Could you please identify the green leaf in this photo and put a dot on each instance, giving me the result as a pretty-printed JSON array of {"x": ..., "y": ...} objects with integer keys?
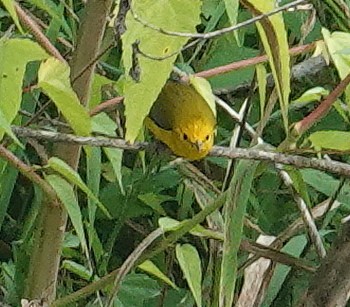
[
  {"x": 169, "y": 224},
  {"x": 73, "y": 177},
  {"x": 10, "y": 7},
  {"x": 203, "y": 87},
  {"x": 53, "y": 31},
  {"x": 93, "y": 178},
  {"x": 298, "y": 183},
  {"x": 234, "y": 211},
  {"x": 232, "y": 10},
  {"x": 336, "y": 42},
  {"x": 102, "y": 123},
  {"x": 51, "y": 8},
  {"x": 6, "y": 127},
  {"x": 66, "y": 194},
  {"x": 115, "y": 156},
  {"x": 77, "y": 269},
  {"x": 294, "y": 247},
  {"x": 336, "y": 140},
  {"x": 274, "y": 38},
  {"x": 135, "y": 290},
  {"x": 53, "y": 78},
  {"x": 326, "y": 184},
  {"x": 262, "y": 82},
  {"x": 314, "y": 94},
  {"x": 96, "y": 89},
  {"x": 176, "y": 15},
  {"x": 190, "y": 264},
  {"x": 14, "y": 56},
  {"x": 232, "y": 13},
  {"x": 224, "y": 51},
  {"x": 149, "y": 267},
  {"x": 8, "y": 176},
  {"x": 154, "y": 201}
]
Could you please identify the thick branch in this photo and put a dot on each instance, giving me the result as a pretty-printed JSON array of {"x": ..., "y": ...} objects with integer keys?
[{"x": 334, "y": 167}]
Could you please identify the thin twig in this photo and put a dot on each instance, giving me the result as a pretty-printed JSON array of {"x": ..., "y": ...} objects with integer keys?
[
  {"x": 219, "y": 70},
  {"x": 213, "y": 34},
  {"x": 130, "y": 262},
  {"x": 29, "y": 173},
  {"x": 305, "y": 214}
]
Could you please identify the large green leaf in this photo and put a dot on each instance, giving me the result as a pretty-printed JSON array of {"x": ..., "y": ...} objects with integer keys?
[
  {"x": 337, "y": 45},
  {"x": 54, "y": 80},
  {"x": 190, "y": 264},
  {"x": 274, "y": 39},
  {"x": 73, "y": 177},
  {"x": 67, "y": 196},
  {"x": 336, "y": 140},
  {"x": 135, "y": 290},
  {"x": 234, "y": 211},
  {"x": 172, "y": 15},
  {"x": 14, "y": 56}
]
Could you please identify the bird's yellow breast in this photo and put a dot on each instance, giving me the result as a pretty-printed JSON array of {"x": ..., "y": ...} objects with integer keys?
[{"x": 183, "y": 120}]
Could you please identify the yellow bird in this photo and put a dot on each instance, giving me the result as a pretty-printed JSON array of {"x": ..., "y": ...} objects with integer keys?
[{"x": 183, "y": 120}]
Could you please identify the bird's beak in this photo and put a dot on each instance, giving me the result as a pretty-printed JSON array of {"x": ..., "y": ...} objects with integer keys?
[{"x": 198, "y": 145}]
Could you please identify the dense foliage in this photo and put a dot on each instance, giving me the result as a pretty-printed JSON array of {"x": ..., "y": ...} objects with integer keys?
[{"x": 117, "y": 225}]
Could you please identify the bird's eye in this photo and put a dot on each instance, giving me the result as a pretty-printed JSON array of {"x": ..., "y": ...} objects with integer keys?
[
  {"x": 185, "y": 136},
  {"x": 207, "y": 137}
]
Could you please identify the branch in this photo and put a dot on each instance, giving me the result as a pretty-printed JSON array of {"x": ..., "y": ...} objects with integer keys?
[
  {"x": 37, "y": 33},
  {"x": 29, "y": 173},
  {"x": 334, "y": 167},
  {"x": 221, "y": 31}
]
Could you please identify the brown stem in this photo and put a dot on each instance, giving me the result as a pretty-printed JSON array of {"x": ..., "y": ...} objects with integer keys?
[
  {"x": 249, "y": 62},
  {"x": 38, "y": 34},
  {"x": 51, "y": 223},
  {"x": 29, "y": 172}
]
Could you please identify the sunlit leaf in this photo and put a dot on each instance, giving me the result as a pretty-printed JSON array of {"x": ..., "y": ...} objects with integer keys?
[
  {"x": 232, "y": 10},
  {"x": 274, "y": 39},
  {"x": 336, "y": 140},
  {"x": 179, "y": 15},
  {"x": 203, "y": 87},
  {"x": 14, "y": 56},
  {"x": 313, "y": 94},
  {"x": 336, "y": 42},
  {"x": 10, "y": 7},
  {"x": 54, "y": 79}
]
